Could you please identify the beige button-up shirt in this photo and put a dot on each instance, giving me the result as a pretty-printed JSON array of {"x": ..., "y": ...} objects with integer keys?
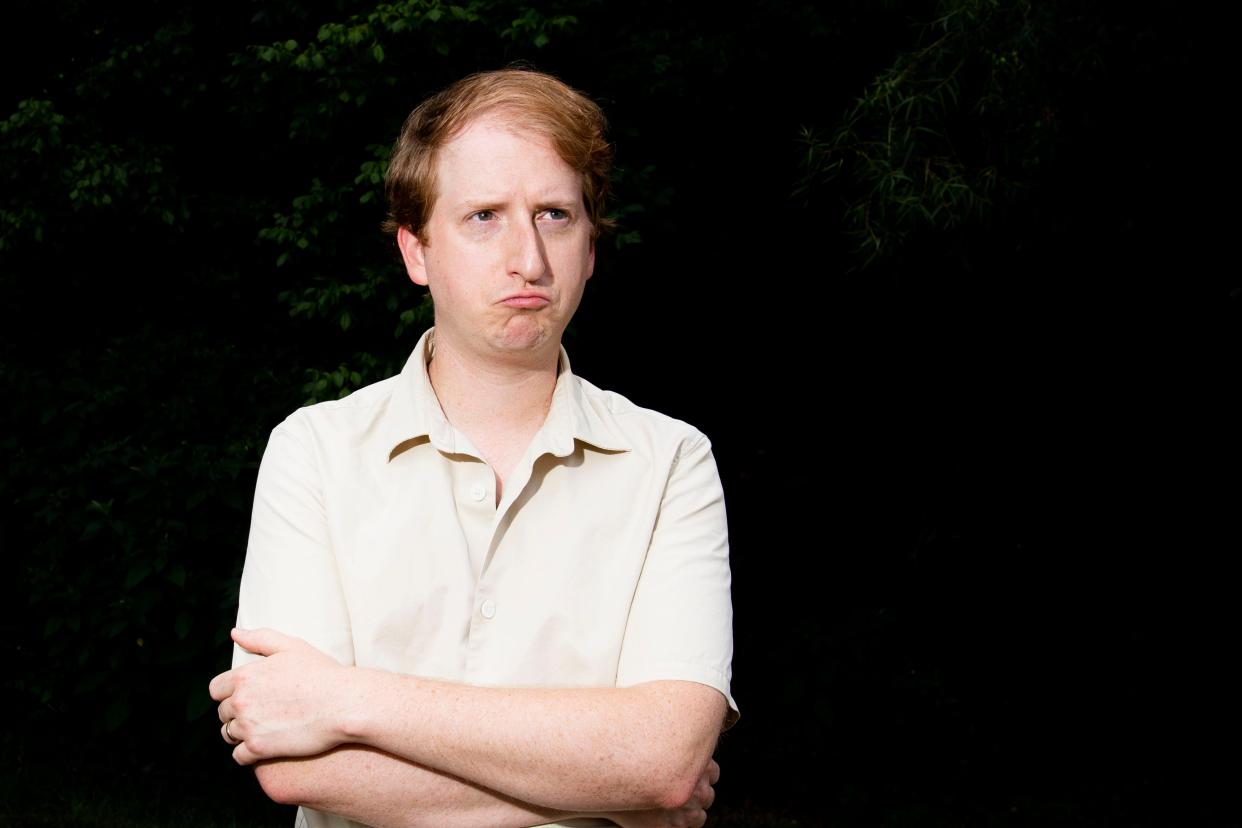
[{"x": 377, "y": 538}]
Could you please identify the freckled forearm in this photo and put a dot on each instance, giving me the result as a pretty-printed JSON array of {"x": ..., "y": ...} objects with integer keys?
[
  {"x": 384, "y": 791},
  {"x": 584, "y": 749}
]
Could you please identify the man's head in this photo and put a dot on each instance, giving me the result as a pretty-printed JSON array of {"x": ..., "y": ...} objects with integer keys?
[{"x": 531, "y": 101}]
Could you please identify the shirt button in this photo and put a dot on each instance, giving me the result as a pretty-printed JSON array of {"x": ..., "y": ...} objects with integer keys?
[
  {"x": 478, "y": 491},
  {"x": 488, "y": 610}
]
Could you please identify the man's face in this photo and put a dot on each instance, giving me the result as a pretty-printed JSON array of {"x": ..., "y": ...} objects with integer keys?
[{"x": 510, "y": 246}]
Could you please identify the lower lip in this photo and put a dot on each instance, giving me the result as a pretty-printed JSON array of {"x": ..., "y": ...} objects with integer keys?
[{"x": 525, "y": 302}]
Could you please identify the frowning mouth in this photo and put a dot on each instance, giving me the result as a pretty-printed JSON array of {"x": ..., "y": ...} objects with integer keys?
[{"x": 526, "y": 300}]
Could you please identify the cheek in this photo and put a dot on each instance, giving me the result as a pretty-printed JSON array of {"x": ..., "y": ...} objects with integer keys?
[
  {"x": 575, "y": 256},
  {"x": 444, "y": 268}
]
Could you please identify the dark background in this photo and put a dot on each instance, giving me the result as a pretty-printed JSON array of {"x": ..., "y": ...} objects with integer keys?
[{"x": 942, "y": 282}]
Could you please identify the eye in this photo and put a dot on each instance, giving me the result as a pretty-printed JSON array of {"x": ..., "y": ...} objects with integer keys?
[
  {"x": 483, "y": 215},
  {"x": 556, "y": 215}
]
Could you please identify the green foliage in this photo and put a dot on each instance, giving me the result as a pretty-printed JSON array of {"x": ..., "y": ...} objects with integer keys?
[
  {"x": 58, "y": 169},
  {"x": 949, "y": 130}
]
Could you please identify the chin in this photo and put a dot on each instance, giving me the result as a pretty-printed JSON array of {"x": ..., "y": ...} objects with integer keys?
[{"x": 523, "y": 337}]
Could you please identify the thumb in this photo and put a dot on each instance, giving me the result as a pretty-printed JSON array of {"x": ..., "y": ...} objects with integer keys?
[{"x": 263, "y": 641}]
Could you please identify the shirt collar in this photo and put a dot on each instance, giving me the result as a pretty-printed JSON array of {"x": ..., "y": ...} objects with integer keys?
[{"x": 414, "y": 414}]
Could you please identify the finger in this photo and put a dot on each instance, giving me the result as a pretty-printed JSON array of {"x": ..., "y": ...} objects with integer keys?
[
  {"x": 226, "y": 711},
  {"x": 221, "y": 686},
  {"x": 243, "y": 755},
  {"x": 263, "y": 641},
  {"x": 225, "y": 730},
  {"x": 713, "y": 771}
]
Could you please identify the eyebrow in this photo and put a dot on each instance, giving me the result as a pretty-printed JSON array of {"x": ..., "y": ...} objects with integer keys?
[{"x": 492, "y": 202}]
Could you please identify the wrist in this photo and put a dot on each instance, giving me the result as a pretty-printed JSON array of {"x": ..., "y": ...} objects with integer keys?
[{"x": 354, "y": 721}]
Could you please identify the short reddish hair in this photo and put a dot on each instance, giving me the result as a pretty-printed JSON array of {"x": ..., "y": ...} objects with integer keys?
[{"x": 571, "y": 122}]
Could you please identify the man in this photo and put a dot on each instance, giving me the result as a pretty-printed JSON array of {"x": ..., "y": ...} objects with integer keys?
[{"x": 510, "y": 589}]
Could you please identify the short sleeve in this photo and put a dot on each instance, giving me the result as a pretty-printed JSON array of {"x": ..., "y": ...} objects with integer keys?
[
  {"x": 680, "y": 625},
  {"x": 290, "y": 580}
]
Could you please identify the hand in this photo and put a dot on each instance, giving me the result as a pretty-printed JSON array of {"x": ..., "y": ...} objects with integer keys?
[
  {"x": 284, "y": 705},
  {"x": 692, "y": 814}
]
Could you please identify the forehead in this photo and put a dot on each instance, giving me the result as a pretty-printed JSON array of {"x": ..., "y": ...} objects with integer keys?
[{"x": 497, "y": 153}]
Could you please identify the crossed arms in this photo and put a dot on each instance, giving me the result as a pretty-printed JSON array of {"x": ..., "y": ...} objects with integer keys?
[{"x": 390, "y": 749}]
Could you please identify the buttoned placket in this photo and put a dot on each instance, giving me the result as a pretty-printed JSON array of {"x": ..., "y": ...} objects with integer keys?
[{"x": 488, "y": 602}]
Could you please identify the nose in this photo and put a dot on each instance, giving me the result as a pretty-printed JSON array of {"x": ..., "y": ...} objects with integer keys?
[{"x": 526, "y": 255}]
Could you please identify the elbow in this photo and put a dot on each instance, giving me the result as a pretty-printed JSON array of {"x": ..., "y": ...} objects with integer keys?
[
  {"x": 281, "y": 782},
  {"x": 674, "y": 792},
  {"x": 649, "y": 782},
  {"x": 675, "y": 782},
  {"x": 678, "y": 760}
]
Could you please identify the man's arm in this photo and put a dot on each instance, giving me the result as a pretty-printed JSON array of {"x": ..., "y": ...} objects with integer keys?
[
  {"x": 383, "y": 791},
  {"x": 585, "y": 749}
]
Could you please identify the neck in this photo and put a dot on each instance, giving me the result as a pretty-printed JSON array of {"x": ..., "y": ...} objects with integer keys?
[{"x": 479, "y": 395}]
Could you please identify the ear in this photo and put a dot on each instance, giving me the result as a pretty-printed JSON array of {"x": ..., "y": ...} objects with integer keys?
[
  {"x": 413, "y": 253},
  {"x": 590, "y": 268}
]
